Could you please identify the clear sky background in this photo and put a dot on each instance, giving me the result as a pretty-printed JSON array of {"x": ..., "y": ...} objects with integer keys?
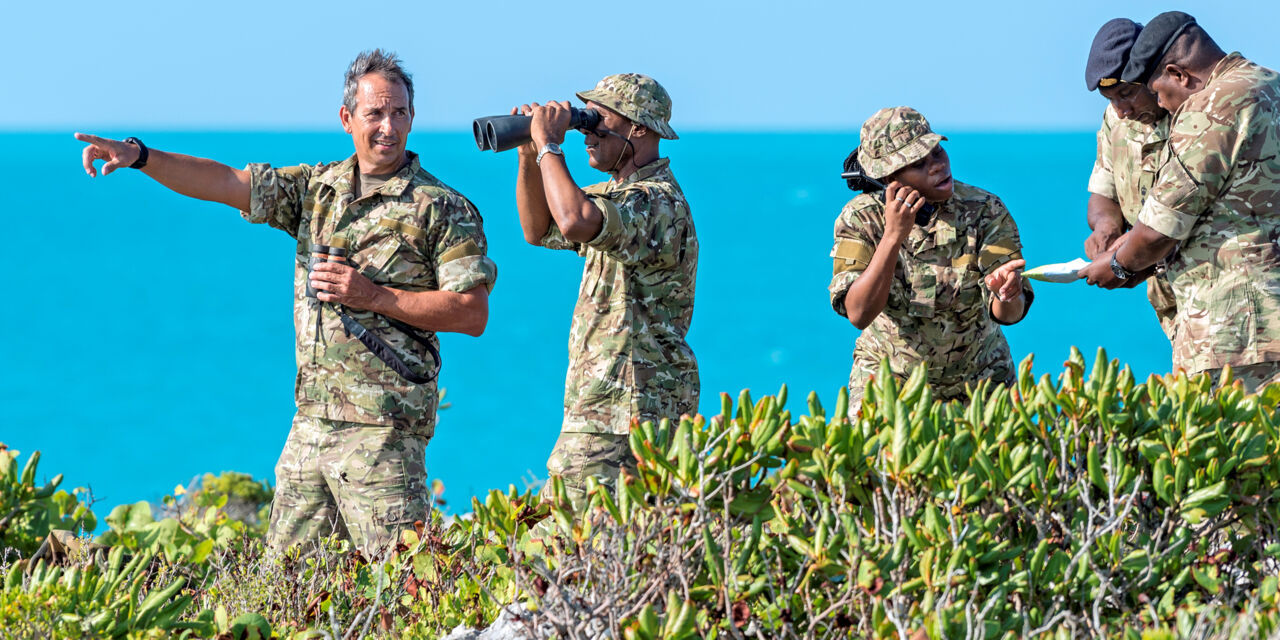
[{"x": 750, "y": 65}]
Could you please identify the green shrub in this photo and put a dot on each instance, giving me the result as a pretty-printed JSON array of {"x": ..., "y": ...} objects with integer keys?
[
  {"x": 1098, "y": 506},
  {"x": 1083, "y": 507},
  {"x": 29, "y": 512}
]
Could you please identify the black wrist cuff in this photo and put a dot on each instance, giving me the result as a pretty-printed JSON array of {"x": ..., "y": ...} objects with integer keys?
[{"x": 142, "y": 153}]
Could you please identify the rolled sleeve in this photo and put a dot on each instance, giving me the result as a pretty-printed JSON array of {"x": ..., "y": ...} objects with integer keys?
[
  {"x": 850, "y": 255},
  {"x": 460, "y": 247},
  {"x": 640, "y": 226},
  {"x": 276, "y": 196},
  {"x": 1201, "y": 154},
  {"x": 1169, "y": 222}
]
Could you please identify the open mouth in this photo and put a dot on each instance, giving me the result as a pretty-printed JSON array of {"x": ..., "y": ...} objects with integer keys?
[{"x": 944, "y": 183}]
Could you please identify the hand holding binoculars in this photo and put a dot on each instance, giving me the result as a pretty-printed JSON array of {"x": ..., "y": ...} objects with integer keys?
[
  {"x": 499, "y": 133},
  {"x": 323, "y": 253}
]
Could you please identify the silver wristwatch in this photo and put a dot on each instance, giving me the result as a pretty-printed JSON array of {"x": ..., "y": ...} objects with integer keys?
[{"x": 549, "y": 147}]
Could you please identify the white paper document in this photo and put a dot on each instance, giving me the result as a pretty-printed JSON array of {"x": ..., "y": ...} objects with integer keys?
[{"x": 1061, "y": 272}]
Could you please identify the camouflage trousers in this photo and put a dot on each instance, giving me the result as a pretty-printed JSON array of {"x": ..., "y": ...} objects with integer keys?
[
  {"x": 578, "y": 456},
  {"x": 1254, "y": 376},
  {"x": 363, "y": 482}
]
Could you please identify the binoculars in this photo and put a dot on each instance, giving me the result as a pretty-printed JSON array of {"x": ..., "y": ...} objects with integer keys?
[
  {"x": 323, "y": 253},
  {"x": 499, "y": 133}
]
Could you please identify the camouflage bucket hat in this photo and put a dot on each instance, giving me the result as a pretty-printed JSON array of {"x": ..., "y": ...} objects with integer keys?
[
  {"x": 894, "y": 138},
  {"x": 638, "y": 98}
]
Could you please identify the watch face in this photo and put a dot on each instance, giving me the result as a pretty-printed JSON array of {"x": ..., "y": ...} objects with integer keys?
[{"x": 553, "y": 147}]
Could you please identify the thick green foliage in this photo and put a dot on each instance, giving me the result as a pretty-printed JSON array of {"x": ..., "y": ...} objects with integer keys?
[
  {"x": 1086, "y": 506},
  {"x": 29, "y": 512},
  {"x": 1095, "y": 506}
]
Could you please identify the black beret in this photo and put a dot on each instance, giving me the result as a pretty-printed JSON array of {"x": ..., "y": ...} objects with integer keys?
[
  {"x": 1153, "y": 43},
  {"x": 1110, "y": 52}
]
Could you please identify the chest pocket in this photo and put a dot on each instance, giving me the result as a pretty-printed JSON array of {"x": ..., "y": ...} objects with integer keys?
[
  {"x": 393, "y": 252},
  {"x": 947, "y": 281}
]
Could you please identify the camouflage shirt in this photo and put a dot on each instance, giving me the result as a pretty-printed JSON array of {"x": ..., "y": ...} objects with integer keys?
[
  {"x": 412, "y": 233},
  {"x": 1218, "y": 192},
  {"x": 1125, "y": 169},
  {"x": 938, "y": 309},
  {"x": 628, "y": 358}
]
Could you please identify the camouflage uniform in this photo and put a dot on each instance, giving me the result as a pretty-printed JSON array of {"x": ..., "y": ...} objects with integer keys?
[
  {"x": 938, "y": 310},
  {"x": 628, "y": 358},
  {"x": 355, "y": 450},
  {"x": 1218, "y": 192},
  {"x": 1125, "y": 169}
]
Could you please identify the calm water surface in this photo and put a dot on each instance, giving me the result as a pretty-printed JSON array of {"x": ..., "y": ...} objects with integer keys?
[{"x": 148, "y": 338}]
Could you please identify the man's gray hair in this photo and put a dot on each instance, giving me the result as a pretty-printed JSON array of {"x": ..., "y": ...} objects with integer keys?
[{"x": 377, "y": 61}]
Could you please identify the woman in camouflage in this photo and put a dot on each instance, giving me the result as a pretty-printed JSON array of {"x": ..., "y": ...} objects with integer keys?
[{"x": 931, "y": 292}]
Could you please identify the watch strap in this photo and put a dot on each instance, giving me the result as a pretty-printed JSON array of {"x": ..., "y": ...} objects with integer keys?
[
  {"x": 549, "y": 147},
  {"x": 143, "y": 153}
]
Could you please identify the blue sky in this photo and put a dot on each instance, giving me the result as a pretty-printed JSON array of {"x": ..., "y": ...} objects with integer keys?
[{"x": 749, "y": 65}]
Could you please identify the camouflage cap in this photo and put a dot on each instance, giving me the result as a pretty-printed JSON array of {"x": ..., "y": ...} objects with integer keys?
[
  {"x": 637, "y": 97},
  {"x": 894, "y": 138}
]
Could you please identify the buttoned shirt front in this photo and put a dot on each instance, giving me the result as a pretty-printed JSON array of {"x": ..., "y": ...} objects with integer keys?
[{"x": 412, "y": 233}]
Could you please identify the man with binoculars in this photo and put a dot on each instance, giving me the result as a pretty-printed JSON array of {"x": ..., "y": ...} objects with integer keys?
[
  {"x": 628, "y": 358},
  {"x": 385, "y": 250}
]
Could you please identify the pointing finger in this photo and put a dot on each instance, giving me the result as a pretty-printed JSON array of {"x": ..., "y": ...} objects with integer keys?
[{"x": 90, "y": 138}]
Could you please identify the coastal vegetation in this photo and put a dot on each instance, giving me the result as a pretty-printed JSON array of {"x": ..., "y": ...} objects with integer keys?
[{"x": 1086, "y": 504}]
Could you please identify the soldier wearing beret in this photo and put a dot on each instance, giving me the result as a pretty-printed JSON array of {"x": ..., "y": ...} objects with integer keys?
[
  {"x": 932, "y": 293},
  {"x": 1212, "y": 212},
  {"x": 1133, "y": 133},
  {"x": 628, "y": 357},
  {"x": 415, "y": 264}
]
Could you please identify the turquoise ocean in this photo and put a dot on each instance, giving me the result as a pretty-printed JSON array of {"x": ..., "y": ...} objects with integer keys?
[{"x": 147, "y": 338}]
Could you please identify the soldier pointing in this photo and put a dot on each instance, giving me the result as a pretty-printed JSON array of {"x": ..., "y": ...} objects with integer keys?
[{"x": 398, "y": 256}]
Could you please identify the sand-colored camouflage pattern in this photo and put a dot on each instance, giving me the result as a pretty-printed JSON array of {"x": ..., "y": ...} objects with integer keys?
[
  {"x": 938, "y": 311},
  {"x": 636, "y": 97},
  {"x": 578, "y": 456},
  {"x": 628, "y": 357},
  {"x": 1218, "y": 192},
  {"x": 1124, "y": 171},
  {"x": 354, "y": 479},
  {"x": 894, "y": 138},
  {"x": 412, "y": 233}
]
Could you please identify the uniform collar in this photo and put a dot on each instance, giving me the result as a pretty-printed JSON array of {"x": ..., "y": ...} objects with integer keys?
[
  {"x": 941, "y": 229},
  {"x": 341, "y": 177},
  {"x": 643, "y": 173},
  {"x": 1230, "y": 62}
]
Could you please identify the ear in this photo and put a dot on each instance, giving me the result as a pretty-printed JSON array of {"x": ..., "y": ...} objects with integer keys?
[
  {"x": 344, "y": 117},
  {"x": 639, "y": 130},
  {"x": 1179, "y": 75}
]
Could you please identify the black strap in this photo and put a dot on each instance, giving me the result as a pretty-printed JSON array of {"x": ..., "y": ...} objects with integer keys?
[{"x": 385, "y": 353}]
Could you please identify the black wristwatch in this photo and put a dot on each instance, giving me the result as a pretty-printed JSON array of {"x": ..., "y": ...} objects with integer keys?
[
  {"x": 142, "y": 153},
  {"x": 1119, "y": 270}
]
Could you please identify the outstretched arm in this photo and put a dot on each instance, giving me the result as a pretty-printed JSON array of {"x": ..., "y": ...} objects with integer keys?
[{"x": 190, "y": 176}]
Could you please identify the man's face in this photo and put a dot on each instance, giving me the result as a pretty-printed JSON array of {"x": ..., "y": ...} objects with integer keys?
[
  {"x": 605, "y": 152},
  {"x": 1172, "y": 85},
  {"x": 930, "y": 175},
  {"x": 1132, "y": 101},
  {"x": 380, "y": 125}
]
